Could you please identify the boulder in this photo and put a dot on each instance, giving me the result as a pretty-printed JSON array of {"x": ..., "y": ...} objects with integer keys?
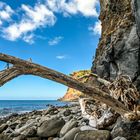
[
  {"x": 71, "y": 134},
  {"x": 3, "y": 127},
  {"x": 50, "y": 127},
  {"x": 119, "y": 138},
  {"x": 4, "y": 137},
  {"x": 21, "y": 137},
  {"x": 30, "y": 132},
  {"x": 68, "y": 126},
  {"x": 129, "y": 130},
  {"x": 67, "y": 112},
  {"x": 93, "y": 135},
  {"x": 34, "y": 138},
  {"x": 52, "y": 110}
]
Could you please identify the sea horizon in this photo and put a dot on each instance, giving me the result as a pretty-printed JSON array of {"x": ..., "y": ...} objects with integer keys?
[{"x": 8, "y": 107}]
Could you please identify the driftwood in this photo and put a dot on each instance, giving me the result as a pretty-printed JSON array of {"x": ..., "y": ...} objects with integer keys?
[
  {"x": 22, "y": 67},
  {"x": 102, "y": 116},
  {"x": 98, "y": 114}
]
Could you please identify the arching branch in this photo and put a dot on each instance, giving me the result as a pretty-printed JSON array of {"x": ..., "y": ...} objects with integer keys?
[
  {"x": 25, "y": 67},
  {"x": 8, "y": 74}
]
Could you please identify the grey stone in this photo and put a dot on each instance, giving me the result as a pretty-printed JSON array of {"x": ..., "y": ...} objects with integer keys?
[
  {"x": 93, "y": 135},
  {"x": 34, "y": 138},
  {"x": 4, "y": 137},
  {"x": 30, "y": 132},
  {"x": 50, "y": 127},
  {"x": 67, "y": 112},
  {"x": 119, "y": 138},
  {"x": 68, "y": 126},
  {"x": 21, "y": 137},
  {"x": 3, "y": 127},
  {"x": 71, "y": 134},
  {"x": 129, "y": 130}
]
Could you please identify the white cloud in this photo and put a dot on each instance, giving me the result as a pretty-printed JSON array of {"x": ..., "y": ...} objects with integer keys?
[
  {"x": 29, "y": 38},
  {"x": 87, "y": 7},
  {"x": 39, "y": 16},
  {"x": 42, "y": 15},
  {"x": 55, "y": 40},
  {"x": 61, "y": 57},
  {"x": 72, "y": 7},
  {"x": 5, "y": 12},
  {"x": 96, "y": 29}
]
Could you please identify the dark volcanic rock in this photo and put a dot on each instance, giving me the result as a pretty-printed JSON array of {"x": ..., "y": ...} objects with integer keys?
[
  {"x": 129, "y": 130},
  {"x": 118, "y": 51}
]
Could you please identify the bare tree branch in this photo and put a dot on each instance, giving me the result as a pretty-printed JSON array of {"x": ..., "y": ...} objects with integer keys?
[
  {"x": 8, "y": 74},
  {"x": 25, "y": 67}
]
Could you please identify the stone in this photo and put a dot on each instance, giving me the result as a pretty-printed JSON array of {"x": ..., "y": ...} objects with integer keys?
[
  {"x": 129, "y": 130},
  {"x": 26, "y": 126},
  {"x": 13, "y": 125},
  {"x": 50, "y": 127},
  {"x": 68, "y": 126},
  {"x": 52, "y": 110},
  {"x": 4, "y": 137},
  {"x": 71, "y": 134},
  {"x": 86, "y": 127},
  {"x": 67, "y": 112},
  {"x": 30, "y": 132},
  {"x": 119, "y": 138},
  {"x": 21, "y": 137},
  {"x": 3, "y": 127},
  {"x": 50, "y": 138},
  {"x": 34, "y": 138},
  {"x": 93, "y": 135}
]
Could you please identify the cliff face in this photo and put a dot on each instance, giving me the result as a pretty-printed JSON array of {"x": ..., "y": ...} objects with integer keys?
[
  {"x": 118, "y": 50},
  {"x": 72, "y": 94}
]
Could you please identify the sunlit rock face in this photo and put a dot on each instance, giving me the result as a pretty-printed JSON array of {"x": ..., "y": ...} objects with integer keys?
[
  {"x": 73, "y": 94},
  {"x": 118, "y": 50}
]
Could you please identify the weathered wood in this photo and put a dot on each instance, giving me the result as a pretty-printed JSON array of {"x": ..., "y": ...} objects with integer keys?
[
  {"x": 100, "y": 80},
  {"x": 8, "y": 74},
  {"x": 24, "y": 67}
]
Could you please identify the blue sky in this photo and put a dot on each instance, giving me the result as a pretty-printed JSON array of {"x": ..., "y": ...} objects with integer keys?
[{"x": 60, "y": 34}]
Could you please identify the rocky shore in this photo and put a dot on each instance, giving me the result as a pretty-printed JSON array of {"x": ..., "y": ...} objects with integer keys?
[{"x": 63, "y": 123}]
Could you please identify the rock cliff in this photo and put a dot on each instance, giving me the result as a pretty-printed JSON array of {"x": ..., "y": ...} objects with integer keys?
[
  {"x": 72, "y": 94},
  {"x": 118, "y": 50}
]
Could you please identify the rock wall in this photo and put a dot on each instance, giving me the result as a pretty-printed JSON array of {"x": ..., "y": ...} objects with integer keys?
[{"x": 118, "y": 50}]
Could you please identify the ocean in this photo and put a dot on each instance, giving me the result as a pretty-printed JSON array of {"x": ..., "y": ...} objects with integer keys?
[{"x": 8, "y": 107}]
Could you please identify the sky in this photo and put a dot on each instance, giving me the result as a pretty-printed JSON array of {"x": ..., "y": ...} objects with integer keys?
[{"x": 59, "y": 34}]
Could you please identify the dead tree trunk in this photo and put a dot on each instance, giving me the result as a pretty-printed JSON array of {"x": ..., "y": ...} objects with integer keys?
[{"x": 22, "y": 67}]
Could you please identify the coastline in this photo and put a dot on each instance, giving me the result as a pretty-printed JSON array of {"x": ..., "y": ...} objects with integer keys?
[
  {"x": 8, "y": 107},
  {"x": 60, "y": 123}
]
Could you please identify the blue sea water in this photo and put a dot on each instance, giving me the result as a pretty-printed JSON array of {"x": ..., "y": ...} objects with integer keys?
[{"x": 8, "y": 107}]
